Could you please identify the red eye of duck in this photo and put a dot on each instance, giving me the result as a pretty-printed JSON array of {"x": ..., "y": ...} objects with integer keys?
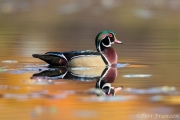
[{"x": 110, "y": 35}]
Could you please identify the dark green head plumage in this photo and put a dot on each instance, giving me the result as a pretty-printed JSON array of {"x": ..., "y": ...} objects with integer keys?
[
  {"x": 103, "y": 34},
  {"x": 105, "y": 39}
]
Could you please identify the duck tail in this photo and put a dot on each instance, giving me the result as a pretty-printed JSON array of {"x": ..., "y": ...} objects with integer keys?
[{"x": 51, "y": 59}]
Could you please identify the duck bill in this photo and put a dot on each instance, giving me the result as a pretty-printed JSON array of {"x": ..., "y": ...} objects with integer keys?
[{"x": 117, "y": 41}]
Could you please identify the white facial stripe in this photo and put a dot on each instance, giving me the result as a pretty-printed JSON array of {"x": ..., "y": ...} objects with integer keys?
[
  {"x": 109, "y": 39},
  {"x": 104, "y": 44},
  {"x": 109, "y": 42},
  {"x": 107, "y": 45}
]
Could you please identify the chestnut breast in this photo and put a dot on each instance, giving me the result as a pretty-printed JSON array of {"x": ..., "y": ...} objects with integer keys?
[{"x": 110, "y": 55}]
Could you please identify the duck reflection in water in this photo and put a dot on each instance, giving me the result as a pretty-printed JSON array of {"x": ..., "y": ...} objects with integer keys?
[{"x": 104, "y": 76}]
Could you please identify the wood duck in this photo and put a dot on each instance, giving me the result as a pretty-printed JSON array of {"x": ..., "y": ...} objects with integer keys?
[{"x": 104, "y": 56}]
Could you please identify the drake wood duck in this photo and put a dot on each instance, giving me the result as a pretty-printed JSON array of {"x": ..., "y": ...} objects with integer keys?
[{"x": 104, "y": 56}]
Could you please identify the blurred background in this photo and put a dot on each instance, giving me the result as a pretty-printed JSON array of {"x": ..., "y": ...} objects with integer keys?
[
  {"x": 149, "y": 29},
  {"x": 67, "y": 24}
]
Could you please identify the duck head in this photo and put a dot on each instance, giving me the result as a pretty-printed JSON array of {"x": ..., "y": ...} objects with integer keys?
[
  {"x": 103, "y": 42},
  {"x": 105, "y": 39}
]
